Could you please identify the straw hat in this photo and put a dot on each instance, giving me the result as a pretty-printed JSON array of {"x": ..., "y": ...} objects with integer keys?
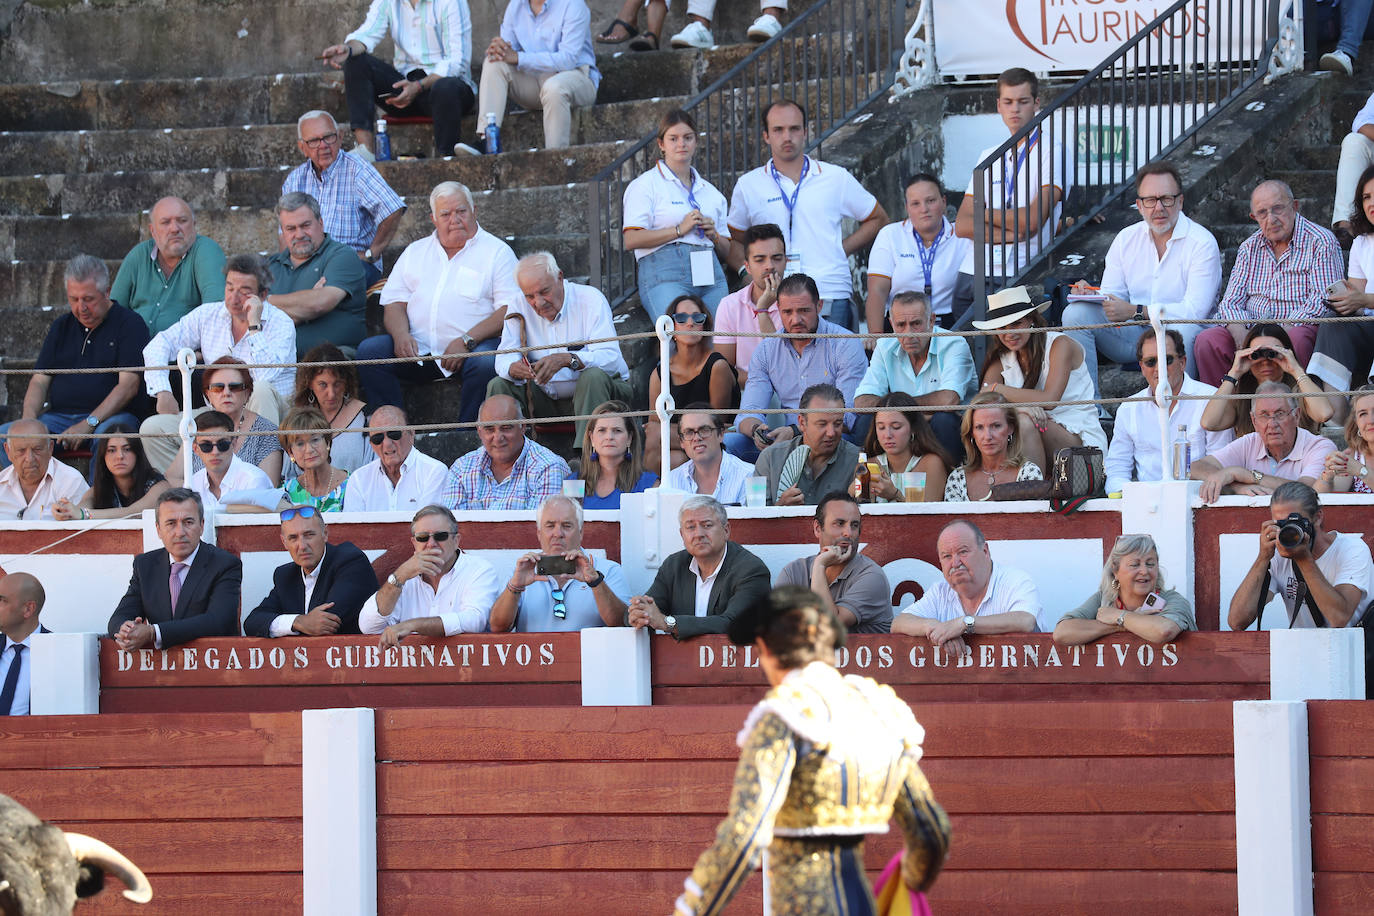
[{"x": 1008, "y": 307}]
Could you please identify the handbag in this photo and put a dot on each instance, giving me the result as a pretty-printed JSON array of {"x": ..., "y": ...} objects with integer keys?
[{"x": 1078, "y": 474}]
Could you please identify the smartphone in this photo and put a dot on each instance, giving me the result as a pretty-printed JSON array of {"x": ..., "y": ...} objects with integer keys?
[
  {"x": 388, "y": 94},
  {"x": 1153, "y": 602},
  {"x": 555, "y": 566}
]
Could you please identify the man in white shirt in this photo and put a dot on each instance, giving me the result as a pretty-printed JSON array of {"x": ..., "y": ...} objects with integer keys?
[
  {"x": 753, "y": 309},
  {"x": 1024, "y": 196},
  {"x": 919, "y": 254},
  {"x": 809, "y": 200},
  {"x": 1357, "y": 154},
  {"x": 445, "y": 300},
  {"x": 709, "y": 469},
  {"x": 1318, "y": 573},
  {"x": 35, "y": 480},
  {"x": 975, "y": 598},
  {"x": 403, "y": 478},
  {"x": 558, "y": 373},
  {"x": 440, "y": 591},
  {"x": 224, "y": 471},
  {"x": 1136, "y": 452},
  {"x": 1165, "y": 261},
  {"x": 21, "y": 601}
]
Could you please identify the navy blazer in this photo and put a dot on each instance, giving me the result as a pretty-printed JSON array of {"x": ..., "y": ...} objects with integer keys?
[
  {"x": 743, "y": 579},
  {"x": 209, "y": 601},
  {"x": 346, "y": 578}
]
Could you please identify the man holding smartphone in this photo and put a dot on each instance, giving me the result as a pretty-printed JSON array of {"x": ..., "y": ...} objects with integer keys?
[
  {"x": 851, "y": 584},
  {"x": 559, "y": 588}
]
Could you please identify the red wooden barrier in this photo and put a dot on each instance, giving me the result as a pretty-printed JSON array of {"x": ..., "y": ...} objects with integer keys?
[
  {"x": 208, "y": 806},
  {"x": 1341, "y": 743}
]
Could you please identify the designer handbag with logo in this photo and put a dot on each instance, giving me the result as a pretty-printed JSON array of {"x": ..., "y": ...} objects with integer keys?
[{"x": 1078, "y": 475}]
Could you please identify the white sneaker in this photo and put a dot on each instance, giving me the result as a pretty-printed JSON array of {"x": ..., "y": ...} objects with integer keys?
[
  {"x": 764, "y": 28},
  {"x": 363, "y": 153},
  {"x": 1337, "y": 60},
  {"x": 695, "y": 35},
  {"x": 462, "y": 149}
]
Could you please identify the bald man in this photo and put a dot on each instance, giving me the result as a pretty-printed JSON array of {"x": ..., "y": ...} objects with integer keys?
[
  {"x": 35, "y": 480},
  {"x": 402, "y": 478},
  {"x": 171, "y": 273},
  {"x": 21, "y": 601},
  {"x": 508, "y": 471}
]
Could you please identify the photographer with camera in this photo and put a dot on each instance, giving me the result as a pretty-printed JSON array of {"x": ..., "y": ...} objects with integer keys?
[
  {"x": 1324, "y": 577},
  {"x": 559, "y": 588}
]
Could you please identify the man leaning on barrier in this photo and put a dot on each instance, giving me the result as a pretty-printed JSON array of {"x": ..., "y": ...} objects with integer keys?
[
  {"x": 853, "y": 586},
  {"x": 35, "y": 481}
]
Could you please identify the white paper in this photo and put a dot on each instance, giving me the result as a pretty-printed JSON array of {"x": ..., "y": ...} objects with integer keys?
[
  {"x": 703, "y": 267},
  {"x": 794, "y": 264}
]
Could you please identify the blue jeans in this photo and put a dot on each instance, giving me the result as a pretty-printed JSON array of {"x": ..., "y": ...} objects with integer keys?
[
  {"x": 1117, "y": 344},
  {"x": 61, "y": 422},
  {"x": 382, "y": 384},
  {"x": 1354, "y": 21},
  {"x": 667, "y": 274},
  {"x": 741, "y": 446},
  {"x": 842, "y": 312}
]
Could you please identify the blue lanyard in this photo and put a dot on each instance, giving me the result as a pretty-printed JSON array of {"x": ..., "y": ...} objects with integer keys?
[
  {"x": 1009, "y": 185},
  {"x": 928, "y": 254},
  {"x": 796, "y": 191},
  {"x": 691, "y": 194}
]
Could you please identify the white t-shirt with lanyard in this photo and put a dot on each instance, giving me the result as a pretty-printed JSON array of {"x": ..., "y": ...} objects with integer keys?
[
  {"x": 900, "y": 255},
  {"x": 810, "y": 213},
  {"x": 658, "y": 199},
  {"x": 1346, "y": 562},
  {"x": 1016, "y": 179}
]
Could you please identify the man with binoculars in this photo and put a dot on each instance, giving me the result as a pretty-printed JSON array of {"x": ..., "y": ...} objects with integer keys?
[{"x": 1324, "y": 577}]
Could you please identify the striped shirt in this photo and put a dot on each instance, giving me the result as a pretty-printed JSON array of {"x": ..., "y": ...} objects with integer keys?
[
  {"x": 536, "y": 475},
  {"x": 434, "y": 35},
  {"x": 353, "y": 196},
  {"x": 729, "y": 483},
  {"x": 209, "y": 329},
  {"x": 1293, "y": 285}
]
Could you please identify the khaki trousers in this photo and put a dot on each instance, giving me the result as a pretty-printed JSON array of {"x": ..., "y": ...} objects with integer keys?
[{"x": 555, "y": 93}]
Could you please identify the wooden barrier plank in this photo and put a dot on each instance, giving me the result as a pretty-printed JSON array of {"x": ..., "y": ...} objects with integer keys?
[
  {"x": 1184, "y": 842},
  {"x": 526, "y": 893},
  {"x": 295, "y": 699},
  {"x": 1343, "y": 786},
  {"x": 194, "y": 895},
  {"x": 1342, "y": 842},
  {"x": 987, "y": 693},
  {"x": 1342, "y": 893},
  {"x": 240, "y": 739},
  {"x": 1340, "y": 728},
  {"x": 201, "y": 847},
  {"x": 195, "y": 792},
  {"x": 1084, "y": 893}
]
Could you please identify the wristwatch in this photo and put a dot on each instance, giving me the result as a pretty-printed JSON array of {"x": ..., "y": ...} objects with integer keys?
[
  {"x": 600, "y": 577},
  {"x": 93, "y": 420},
  {"x": 575, "y": 362},
  {"x": 369, "y": 255},
  {"x": 1139, "y": 312},
  {"x": 392, "y": 580},
  {"x": 467, "y": 340},
  {"x": 968, "y": 625},
  {"x": 670, "y": 624},
  {"x": 1121, "y": 619},
  {"x": 1258, "y": 475}
]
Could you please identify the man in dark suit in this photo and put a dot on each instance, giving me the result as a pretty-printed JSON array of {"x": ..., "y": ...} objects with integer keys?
[
  {"x": 186, "y": 590},
  {"x": 701, "y": 589},
  {"x": 21, "y": 601},
  {"x": 320, "y": 592}
]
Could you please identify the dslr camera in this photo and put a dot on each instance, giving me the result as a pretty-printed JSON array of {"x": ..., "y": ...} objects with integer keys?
[{"x": 1295, "y": 530}]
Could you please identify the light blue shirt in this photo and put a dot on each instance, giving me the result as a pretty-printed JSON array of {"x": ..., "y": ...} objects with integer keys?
[
  {"x": 558, "y": 39},
  {"x": 535, "y": 613},
  {"x": 730, "y": 483},
  {"x": 948, "y": 366},
  {"x": 777, "y": 368}
]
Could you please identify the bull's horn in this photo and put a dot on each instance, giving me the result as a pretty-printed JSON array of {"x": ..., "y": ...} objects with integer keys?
[{"x": 96, "y": 852}]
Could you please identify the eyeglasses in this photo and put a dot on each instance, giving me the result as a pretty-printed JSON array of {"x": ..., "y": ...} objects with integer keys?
[
  {"x": 694, "y": 318},
  {"x": 394, "y": 435},
  {"x": 316, "y": 440},
  {"x": 438, "y": 536},
  {"x": 1165, "y": 200},
  {"x": 318, "y": 142},
  {"x": 302, "y": 511},
  {"x": 1150, "y": 362},
  {"x": 696, "y": 432},
  {"x": 1277, "y": 416},
  {"x": 1279, "y": 211},
  {"x": 231, "y": 386},
  {"x": 560, "y": 606},
  {"x": 207, "y": 446}
]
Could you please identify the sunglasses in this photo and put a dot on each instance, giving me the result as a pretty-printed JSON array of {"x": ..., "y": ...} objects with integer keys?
[
  {"x": 394, "y": 435},
  {"x": 439, "y": 537},
  {"x": 302, "y": 511},
  {"x": 1150, "y": 362},
  {"x": 206, "y": 446},
  {"x": 694, "y": 318},
  {"x": 560, "y": 607},
  {"x": 221, "y": 386}
]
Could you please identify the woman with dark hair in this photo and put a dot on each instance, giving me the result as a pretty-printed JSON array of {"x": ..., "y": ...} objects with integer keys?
[
  {"x": 675, "y": 223},
  {"x": 333, "y": 390},
  {"x": 697, "y": 373},
  {"x": 124, "y": 483},
  {"x": 825, "y": 760},
  {"x": 228, "y": 385},
  {"x": 612, "y": 463},
  {"x": 903, "y": 442},
  {"x": 1267, "y": 356}
]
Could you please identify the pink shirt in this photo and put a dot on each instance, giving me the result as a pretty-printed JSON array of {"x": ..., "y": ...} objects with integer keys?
[
  {"x": 735, "y": 315},
  {"x": 1307, "y": 459}
]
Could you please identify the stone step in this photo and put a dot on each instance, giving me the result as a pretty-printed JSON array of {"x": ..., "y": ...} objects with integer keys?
[{"x": 1315, "y": 187}]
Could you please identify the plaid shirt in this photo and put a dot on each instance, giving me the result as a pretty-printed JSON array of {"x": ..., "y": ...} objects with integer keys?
[
  {"x": 537, "y": 474},
  {"x": 1293, "y": 285},
  {"x": 353, "y": 198},
  {"x": 209, "y": 329}
]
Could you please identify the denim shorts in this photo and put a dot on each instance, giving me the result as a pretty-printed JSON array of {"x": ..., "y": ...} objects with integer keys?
[{"x": 667, "y": 273}]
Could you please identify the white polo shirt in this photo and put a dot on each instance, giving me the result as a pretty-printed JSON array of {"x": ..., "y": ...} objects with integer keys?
[
  {"x": 814, "y": 228},
  {"x": 446, "y": 296},
  {"x": 897, "y": 255},
  {"x": 1026, "y": 180},
  {"x": 1185, "y": 281},
  {"x": 422, "y": 482},
  {"x": 657, "y": 200}
]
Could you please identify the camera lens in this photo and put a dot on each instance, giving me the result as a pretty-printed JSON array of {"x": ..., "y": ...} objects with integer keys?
[{"x": 1290, "y": 535}]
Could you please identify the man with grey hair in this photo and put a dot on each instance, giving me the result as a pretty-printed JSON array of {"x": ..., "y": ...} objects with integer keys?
[
  {"x": 358, "y": 207},
  {"x": 316, "y": 280},
  {"x": 172, "y": 272},
  {"x": 402, "y": 477},
  {"x": 1277, "y": 451},
  {"x": 35, "y": 481},
  {"x": 445, "y": 299},
  {"x": 96, "y": 334},
  {"x": 559, "y": 371},
  {"x": 703, "y": 587},
  {"x": 559, "y": 587}
]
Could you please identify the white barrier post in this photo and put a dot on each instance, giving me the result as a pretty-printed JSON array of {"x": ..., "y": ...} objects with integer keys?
[
  {"x": 1317, "y": 664},
  {"x": 1273, "y": 808},
  {"x": 186, "y": 362},
  {"x": 339, "y": 811},
  {"x": 65, "y": 677},
  {"x": 615, "y": 667},
  {"x": 648, "y": 534},
  {"x": 664, "y": 405},
  {"x": 1164, "y": 511}
]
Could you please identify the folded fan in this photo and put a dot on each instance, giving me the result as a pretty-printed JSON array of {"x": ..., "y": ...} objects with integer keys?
[{"x": 792, "y": 470}]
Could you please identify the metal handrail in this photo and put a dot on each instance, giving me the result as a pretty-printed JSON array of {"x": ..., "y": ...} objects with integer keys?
[
  {"x": 835, "y": 58},
  {"x": 1167, "y": 89}
]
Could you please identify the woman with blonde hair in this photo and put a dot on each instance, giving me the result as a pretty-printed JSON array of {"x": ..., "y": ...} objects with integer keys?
[
  {"x": 1131, "y": 598},
  {"x": 306, "y": 438},
  {"x": 1349, "y": 470},
  {"x": 992, "y": 451}
]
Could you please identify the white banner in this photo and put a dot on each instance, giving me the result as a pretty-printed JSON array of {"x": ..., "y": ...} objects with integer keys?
[{"x": 1054, "y": 36}]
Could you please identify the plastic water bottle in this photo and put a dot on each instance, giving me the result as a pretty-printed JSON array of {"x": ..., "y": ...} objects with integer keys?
[
  {"x": 1183, "y": 453},
  {"x": 383, "y": 142},
  {"x": 493, "y": 134}
]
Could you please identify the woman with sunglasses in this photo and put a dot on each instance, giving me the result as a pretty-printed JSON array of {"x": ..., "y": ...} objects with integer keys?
[
  {"x": 902, "y": 439},
  {"x": 227, "y": 388},
  {"x": 697, "y": 374},
  {"x": 222, "y": 472},
  {"x": 305, "y": 436},
  {"x": 675, "y": 223},
  {"x": 123, "y": 484},
  {"x": 1349, "y": 470},
  {"x": 1267, "y": 356},
  {"x": 333, "y": 390},
  {"x": 611, "y": 448}
]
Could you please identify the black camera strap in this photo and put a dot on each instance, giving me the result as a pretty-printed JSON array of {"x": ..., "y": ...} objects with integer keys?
[{"x": 1317, "y": 617}]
